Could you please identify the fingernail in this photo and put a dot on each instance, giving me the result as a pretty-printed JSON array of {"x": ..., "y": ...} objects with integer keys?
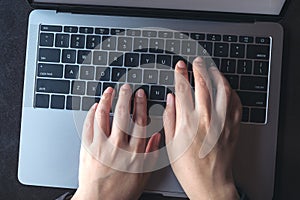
[
  {"x": 181, "y": 64},
  {"x": 108, "y": 90},
  {"x": 126, "y": 86},
  {"x": 140, "y": 93},
  {"x": 198, "y": 59},
  {"x": 169, "y": 99}
]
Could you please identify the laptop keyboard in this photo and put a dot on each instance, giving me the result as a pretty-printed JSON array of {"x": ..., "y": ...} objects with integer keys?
[{"x": 76, "y": 64}]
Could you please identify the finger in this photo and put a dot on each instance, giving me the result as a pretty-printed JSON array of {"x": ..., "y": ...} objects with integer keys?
[
  {"x": 169, "y": 118},
  {"x": 102, "y": 116},
  {"x": 121, "y": 121},
  {"x": 203, "y": 87},
  {"x": 153, "y": 143},
  {"x": 184, "y": 101},
  {"x": 88, "y": 128},
  {"x": 137, "y": 139}
]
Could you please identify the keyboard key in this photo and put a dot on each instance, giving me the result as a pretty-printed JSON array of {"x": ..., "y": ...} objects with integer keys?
[
  {"x": 157, "y": 93},
  {"x": 84, "y": 57},
  {"x": 244, "y": 67},
  {"x": 262, "y": 40},
  {"x": 233, "y": 81},
  {"x": 149, "y": 33},
  {"x": 109, "y": 43},
  {"x": 117, "y": 31},
  {"x": 51, "y": 28},
  {"x": 124, "y": 44},
  {"x": 258, "y": 115},
  {"x": 133, "y": 32},
  {"x": 213, "y": 37},
  {"x": 134, "y": 76},
  {"x": 46, "y": 39},
  {"x": 188, "y": 47},
  {"x": 77, "y": 41},
  {"x": 68, "y": 56},
  {"x": 228, "y": 66},
  {"x": 88, "y": 102},
  {"x": 71, "y": 29},
  {"x": 144, "y": 87},
  {"x": 50, "y": 70},
  {"x": 62, "y": 40},
  {"x": 165, "y": 34},
  {"x": 179, "y": 35},
  {"x": 71, "y": 71},
  {"x": 73, "y": 103},
  {"x": 178, "y": 58},
  {"x": 245, "y": 114},
  {"x": 57, "y": 102},
  {"x": 118, "y": 74},
  {"x": 86, "y": 30},
  {"x": 41, "y": 101},
  {"x": 100, "y": 58},
  {"x": 156, "y": 108},
  {"x": 246, "y": 39},
  {"x": 261, "y": 68},
  {"x": 49, "y": 55},
  {"x": 166, "y": 77},
  {"x": 78, "y": 87},
  {"x": 214, "y": 62},
  {"x": 254, "y": 83},
  {"x": 147, "y": 61},
  {"x": 229, "y": 38},
  {"x": 198, "y": 36},
  {"x": 237, "y": 50},
  {"x": 53, "y": 86},
  {"x": 87, "y": 72},
  {"x": 109, "y": 84},
  {"x": 93, "y": 42},
  {"x": 140, "y": 44},
  {"x": 258, "y": 99},
  {"x": 103, "y": 73},
  {"x": 94, "y": 89},
  {"x": 157, "y": 45},
  {"x": 102, "y": 31},
  {"x": 205, "y": 48},
  {"x": 132, "y": 59},
  {"x": 163, "y": 62},
  {"x": 115, "y": 59},
  {"x": 150, "y": 76},
  {"x": 258, "y": 52},
  {"x": 221, "y": 49},
  {"x": 173, "y": 46}
]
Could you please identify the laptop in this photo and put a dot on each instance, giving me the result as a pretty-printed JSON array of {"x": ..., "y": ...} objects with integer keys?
[{"x": 77, "y": 48}]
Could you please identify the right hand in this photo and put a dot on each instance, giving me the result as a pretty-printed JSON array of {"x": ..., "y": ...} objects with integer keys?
[{"x": 208, "y": 177}]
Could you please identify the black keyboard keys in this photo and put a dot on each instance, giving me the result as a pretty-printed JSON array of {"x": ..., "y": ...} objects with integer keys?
[
  {"x": 257, "y": 99},
  {"x": 237, "y": 50},
  {"x": 157, "y": 93},
  {"x": 53, "y": 86},
  {"x": 78, "y": 87},
  {"x": 254, "y": 83},
  {"x": 49, "y": 55},
  {"x": 62, "y": 40},
  {"x": 71, "y": 71},
  {"x": 73, "y": 103},
  {"x": 258, "y": 52},
  {"x": 42, "y": 101},
  {"x": 57, "y": 102},
  {"x": 87, "y": 72},
  {"x": 46, "y": 39},
  {"x": 68, "y": 56},
  {"x": 50, "y": 70},
  {"x": 221, "y": 49},
  {"x": 77, "y": 41}
]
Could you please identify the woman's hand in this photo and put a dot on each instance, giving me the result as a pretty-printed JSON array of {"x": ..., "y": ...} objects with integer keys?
[
  {"x": 201, "y": 132},
  {"x": 112, "y": 159}
]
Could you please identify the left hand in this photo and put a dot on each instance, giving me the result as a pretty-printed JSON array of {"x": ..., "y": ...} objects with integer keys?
[{"x": 102, "y": 150}]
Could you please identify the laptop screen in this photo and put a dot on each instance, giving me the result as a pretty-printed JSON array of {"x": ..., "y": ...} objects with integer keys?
[{"x": 269, "y": 7}]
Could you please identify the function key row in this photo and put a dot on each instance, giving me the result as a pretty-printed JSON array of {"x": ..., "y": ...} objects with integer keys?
[{"x": 156, "y": 33}]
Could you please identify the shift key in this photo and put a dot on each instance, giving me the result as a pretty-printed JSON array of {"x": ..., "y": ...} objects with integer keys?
[
  {"x": 49, "y": 55},
  {"x": 53, "y": 86},
  {"x": 258, "y": 99}
]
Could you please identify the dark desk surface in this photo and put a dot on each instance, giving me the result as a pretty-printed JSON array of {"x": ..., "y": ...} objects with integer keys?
[{"x": 13, "y": 29}]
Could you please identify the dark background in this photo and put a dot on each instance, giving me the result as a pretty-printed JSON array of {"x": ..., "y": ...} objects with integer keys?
[{"x": 13, "y": 33}]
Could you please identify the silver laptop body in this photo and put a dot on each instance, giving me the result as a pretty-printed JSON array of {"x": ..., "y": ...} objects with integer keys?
[{"x": 50, "y": 142}]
